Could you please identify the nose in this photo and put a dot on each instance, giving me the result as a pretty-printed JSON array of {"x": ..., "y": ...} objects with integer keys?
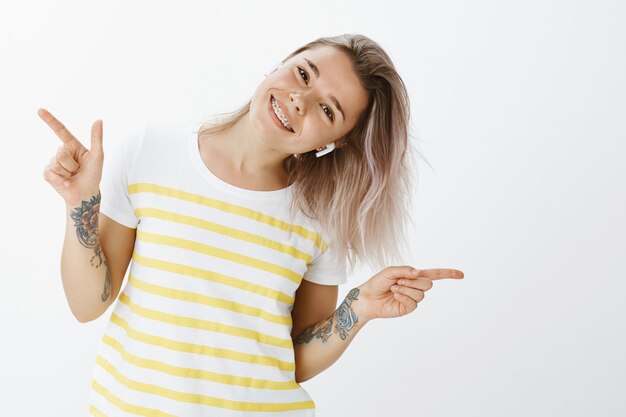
[{"x": 298, "y": 100}]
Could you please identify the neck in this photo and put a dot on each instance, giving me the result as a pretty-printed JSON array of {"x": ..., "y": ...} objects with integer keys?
[{"x": 247, "y": 154}]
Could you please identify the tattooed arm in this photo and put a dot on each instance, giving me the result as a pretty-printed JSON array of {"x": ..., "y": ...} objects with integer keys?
[
  {"x": 84, "y": 269},
  {"x": 395, "y": 291},
  {"x": 92, "y": 280},
  {"x": 321, "y": 344}
]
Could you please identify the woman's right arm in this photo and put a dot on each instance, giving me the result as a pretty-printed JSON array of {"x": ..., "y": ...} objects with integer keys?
[
  {"x": 96, "y": 254},
  {"x": 96, "y": 250}
]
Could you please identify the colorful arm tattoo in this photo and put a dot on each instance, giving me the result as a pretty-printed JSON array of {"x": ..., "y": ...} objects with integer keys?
[
  {"x": 344, "y": 318},
  {"x": 86, "y": 222}
]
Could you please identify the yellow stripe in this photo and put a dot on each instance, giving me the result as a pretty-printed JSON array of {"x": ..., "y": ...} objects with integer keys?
[
  {"x": 212, "y": 326},
  {"x": 229, "y": 208},
  {"x": 198, "y": 373},
  {"x": 208, "y": 301},
  {"x": 219, "y": 253},
  {"x": 223, "y": 230},
  {"x": 199, "y": 398},
  {"x": 97, "y": 413},
  {"x": 201, "y": 349},
  {"x": 190, "y": 271},
  {"x": 124, "y": 406}
]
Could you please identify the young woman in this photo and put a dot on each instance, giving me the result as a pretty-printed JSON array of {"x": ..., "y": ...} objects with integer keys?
[{"x": 239, "y": 230}]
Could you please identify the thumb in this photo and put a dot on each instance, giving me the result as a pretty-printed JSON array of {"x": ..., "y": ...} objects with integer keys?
[{"x": 96, "y": 137}]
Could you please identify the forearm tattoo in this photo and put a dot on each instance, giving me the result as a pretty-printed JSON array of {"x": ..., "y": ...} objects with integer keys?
[
  {"x": 344, "y": 318},
  {"x": 86, "y": 222}
]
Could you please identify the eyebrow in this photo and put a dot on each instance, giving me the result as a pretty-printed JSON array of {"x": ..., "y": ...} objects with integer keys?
[{"x": 330, "y": 96}]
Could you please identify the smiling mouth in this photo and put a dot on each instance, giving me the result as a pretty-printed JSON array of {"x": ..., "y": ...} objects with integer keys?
[{"x": 274, "y": 108}]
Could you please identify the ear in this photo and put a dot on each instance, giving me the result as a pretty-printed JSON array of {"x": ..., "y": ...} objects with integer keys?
[{"x": 340, "y": 143}]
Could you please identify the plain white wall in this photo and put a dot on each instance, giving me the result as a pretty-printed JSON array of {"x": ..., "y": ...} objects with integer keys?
[{"x": 519, "y": 106}]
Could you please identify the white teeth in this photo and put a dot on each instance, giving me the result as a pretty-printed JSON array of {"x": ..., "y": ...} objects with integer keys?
[{"x": 279, "y": 113}]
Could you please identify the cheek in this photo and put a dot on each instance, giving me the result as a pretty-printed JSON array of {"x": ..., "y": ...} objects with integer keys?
[
  {"x": 260, "y": 122},
  {"x": 318, "y": 134},
  {"x": 281, "y": 79},
  {"x": 316, "y": 129}
]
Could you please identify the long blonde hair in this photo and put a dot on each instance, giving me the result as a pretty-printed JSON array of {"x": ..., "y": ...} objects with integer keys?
[{"x": 361, "y": 191}]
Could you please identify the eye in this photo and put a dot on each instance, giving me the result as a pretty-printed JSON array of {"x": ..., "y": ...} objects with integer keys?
[
  {"x": 330, "y": 114},
  {"x": 305, "y": 77},
  {"x": 303, "y": 71}
]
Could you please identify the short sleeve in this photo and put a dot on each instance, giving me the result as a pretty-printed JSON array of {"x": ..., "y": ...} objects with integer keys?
[
  {"x": 327, "y": 268},
  {"x": 115, "y": 201}
]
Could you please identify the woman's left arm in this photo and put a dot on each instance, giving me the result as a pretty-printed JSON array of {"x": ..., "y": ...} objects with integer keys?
[
  {"x": 321, "y": 344},
  {"x": 393, "y": 292}
]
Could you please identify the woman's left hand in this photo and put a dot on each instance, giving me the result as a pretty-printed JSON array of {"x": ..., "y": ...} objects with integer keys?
[{"x": 395, "y": 291}]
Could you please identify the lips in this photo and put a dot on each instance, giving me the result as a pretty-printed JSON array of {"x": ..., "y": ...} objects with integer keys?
[{"x": 275, "y": 118}]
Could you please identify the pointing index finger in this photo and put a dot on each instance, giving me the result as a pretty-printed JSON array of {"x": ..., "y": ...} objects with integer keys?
[
  {"x": 61, "y": 131},
  {"x": 439, "y": 273}
]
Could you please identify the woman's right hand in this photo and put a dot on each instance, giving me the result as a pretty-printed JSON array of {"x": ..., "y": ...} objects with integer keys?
[{"x": 75, "y": 171}]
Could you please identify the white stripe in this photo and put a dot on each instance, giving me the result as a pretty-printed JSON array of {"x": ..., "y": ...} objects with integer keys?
[
  {"x": 202, "y": 339},
  {"x": 200, "y": 311},
  {"x": 219, "y": 265},
  {"x": 184, "y": 408},
  {"x": 207, "y": 287}
]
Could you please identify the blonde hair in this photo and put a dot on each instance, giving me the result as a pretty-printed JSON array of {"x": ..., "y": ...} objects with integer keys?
[{"x": 361, "y": 191}]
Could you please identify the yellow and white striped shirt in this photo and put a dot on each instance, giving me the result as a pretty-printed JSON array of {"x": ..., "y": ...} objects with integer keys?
[{"x": 202, "y": 326}]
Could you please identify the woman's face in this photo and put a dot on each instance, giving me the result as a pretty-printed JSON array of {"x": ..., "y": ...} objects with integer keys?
[{"x": 319, "y": 96}]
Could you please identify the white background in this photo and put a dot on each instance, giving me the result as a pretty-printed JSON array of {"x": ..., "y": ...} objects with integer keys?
[{"x": 520, "y": 107}]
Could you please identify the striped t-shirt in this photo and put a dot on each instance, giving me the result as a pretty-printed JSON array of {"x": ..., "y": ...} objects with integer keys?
[{"x": 202, "y": 325}]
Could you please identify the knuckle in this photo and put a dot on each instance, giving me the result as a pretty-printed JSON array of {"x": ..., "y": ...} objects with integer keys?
[
  {"x": 48, "y": 175},
  {"x": 58, "y": 169},
  {"x": 67, "y": 163}
]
